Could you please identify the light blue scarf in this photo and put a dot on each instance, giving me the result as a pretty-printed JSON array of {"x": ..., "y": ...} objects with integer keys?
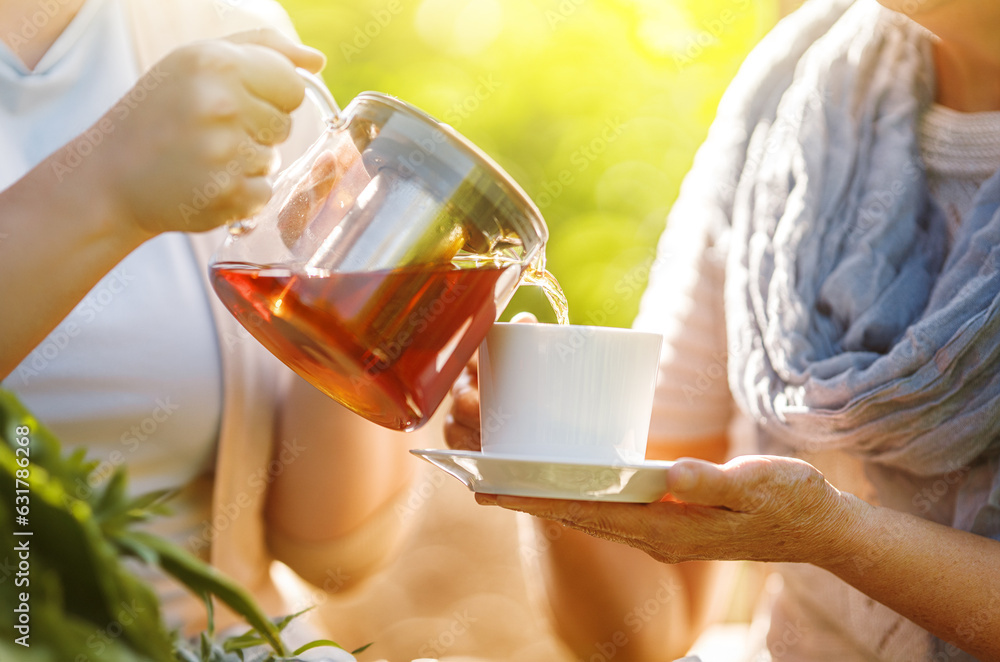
[
  {"x": 852, "y": 324},
  {"x": 856, "y": 327}
]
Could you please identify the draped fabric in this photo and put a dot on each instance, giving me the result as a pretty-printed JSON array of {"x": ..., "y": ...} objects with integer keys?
[
  {"x": 853, "y": 323},
  {"x": 857, "y": 326}
]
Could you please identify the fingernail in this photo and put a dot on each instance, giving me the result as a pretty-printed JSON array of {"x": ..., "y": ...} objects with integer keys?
[
  {"x": 486, "y": 500},
  {"x": 317, "y": 52}
]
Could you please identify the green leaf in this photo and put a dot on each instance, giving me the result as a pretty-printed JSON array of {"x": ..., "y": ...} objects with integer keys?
[
  {"x": 46, "y": 451},
  {"x": 283, "y": 622},
  {"x": 137, "y": 549},
  {"x": 245, "y": 640},
  {"x": 186, "y": 655},
  {"x": 206, "y": 646},
  {"x": 206, "y": 598},
  {"x": 200, "y": 577},
  {"x": 78, "y": 580},
  {"x": 113, "y": 499},
  {"x": 318, "y": 643},
  {"x": 96, "y": 587},
  {"x": 150, "y": 501},
  {"x": 362, "y": 649}
]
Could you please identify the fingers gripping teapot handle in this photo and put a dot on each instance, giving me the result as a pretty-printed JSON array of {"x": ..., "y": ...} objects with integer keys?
[{"x": 320, "y": 96}]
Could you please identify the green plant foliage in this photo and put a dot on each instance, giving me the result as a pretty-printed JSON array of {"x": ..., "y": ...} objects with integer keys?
[
  {"x": 595, "y": 106},
  {"x": 82, "y": 603}
]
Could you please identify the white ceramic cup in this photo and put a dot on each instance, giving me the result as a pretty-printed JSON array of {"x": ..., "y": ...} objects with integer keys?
[{"x": 567, "y": 393}]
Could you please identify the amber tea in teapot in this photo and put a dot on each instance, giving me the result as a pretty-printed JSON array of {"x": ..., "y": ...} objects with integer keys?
[
  {"x": 385, "y": 255},
  {"x": 387, "y": 344}
]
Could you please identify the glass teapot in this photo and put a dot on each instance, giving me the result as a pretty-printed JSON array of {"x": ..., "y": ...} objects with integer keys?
[{"x": 385, "y": 254}]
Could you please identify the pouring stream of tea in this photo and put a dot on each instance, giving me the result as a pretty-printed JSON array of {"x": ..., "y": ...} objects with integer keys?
[{"x": 532, "y": 276}]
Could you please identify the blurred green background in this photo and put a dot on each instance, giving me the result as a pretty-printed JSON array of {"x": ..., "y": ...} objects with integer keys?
[{"x": 595, "y": 107}]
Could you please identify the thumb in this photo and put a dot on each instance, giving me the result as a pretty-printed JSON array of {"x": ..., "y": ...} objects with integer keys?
[
  {"x": 524, "y": 318},
  {"x": 306, "y": 57},
  {"x": 705, "y": 484}
]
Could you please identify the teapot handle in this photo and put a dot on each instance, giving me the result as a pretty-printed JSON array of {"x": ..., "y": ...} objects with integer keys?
[{"x": 320, "y": 96}]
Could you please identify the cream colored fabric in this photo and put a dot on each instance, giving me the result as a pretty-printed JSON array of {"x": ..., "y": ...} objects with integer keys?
[
  {"x": 961, "y": 151},
  {"x": 817, "y": 617},
  {"x": 252, "y": 378}
]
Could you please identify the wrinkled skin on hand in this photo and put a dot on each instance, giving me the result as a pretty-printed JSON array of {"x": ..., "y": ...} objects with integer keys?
[{"x": 756, "y": 508}]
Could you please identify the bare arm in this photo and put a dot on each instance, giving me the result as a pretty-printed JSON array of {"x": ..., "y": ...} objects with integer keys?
[
  {"x": 73, "y": 217},
  {"x": 331, "y": 508},
  {"x": 57, "y": 240},
  {"x": 779, "y": 509},
  {"x": 599, "y": 592},
  {"x": 945, "y": 580}
]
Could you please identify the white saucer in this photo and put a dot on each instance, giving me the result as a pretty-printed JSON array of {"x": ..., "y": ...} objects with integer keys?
[{"x": 533, "y": 477}]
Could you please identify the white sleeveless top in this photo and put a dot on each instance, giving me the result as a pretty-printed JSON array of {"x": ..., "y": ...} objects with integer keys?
[{"x": 133, "y": 373}]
